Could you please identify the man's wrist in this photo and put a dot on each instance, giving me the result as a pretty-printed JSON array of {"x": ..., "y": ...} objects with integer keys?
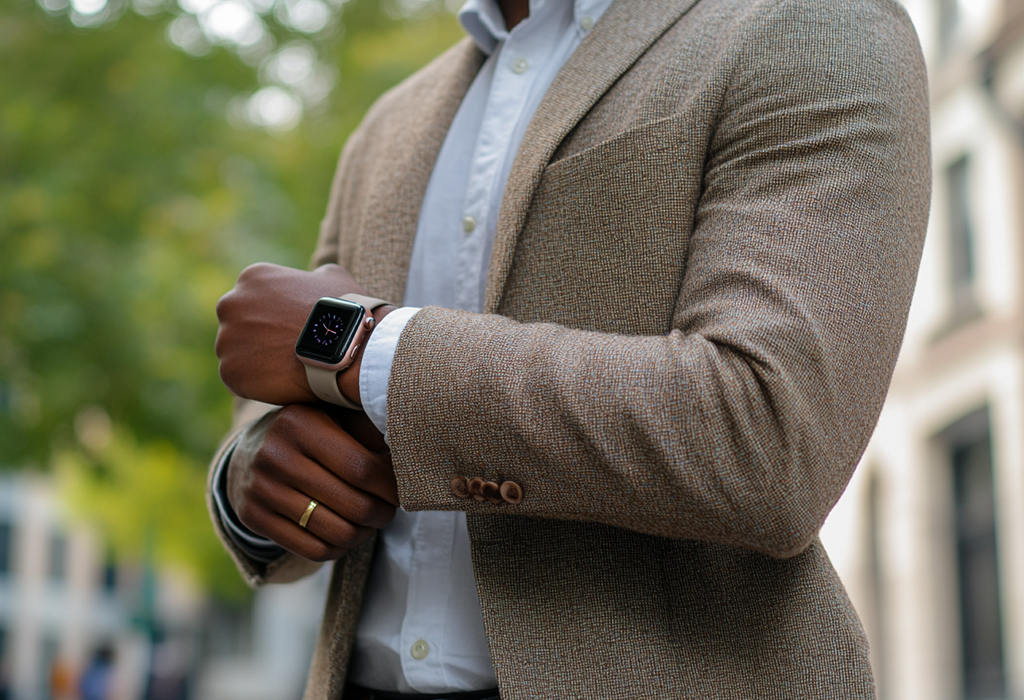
[{"x": 348, "y": 379}]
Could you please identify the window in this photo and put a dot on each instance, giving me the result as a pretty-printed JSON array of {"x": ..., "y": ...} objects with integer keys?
[
  {"x": 109, "y": 579},
  {"x": 6, "y": 541},
  {"x": 961, "y": 240},
  {"x": 58, "y": 556},
  {"x": 977, "y": 566},
  {"x": 53, "y": 674},
  {"x": 228, "y": 630}
]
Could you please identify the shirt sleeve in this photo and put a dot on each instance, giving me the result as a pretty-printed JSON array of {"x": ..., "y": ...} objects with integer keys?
[
  {"x": 375, "y": 370},
  {"x": 255, "y": 546}
]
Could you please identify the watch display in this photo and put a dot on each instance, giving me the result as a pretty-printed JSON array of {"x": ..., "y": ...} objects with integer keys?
[{"x": 329, "y": 330}]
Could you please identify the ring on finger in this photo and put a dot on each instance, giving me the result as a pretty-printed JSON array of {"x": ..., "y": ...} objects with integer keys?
[{"x": 304, "y": 520}]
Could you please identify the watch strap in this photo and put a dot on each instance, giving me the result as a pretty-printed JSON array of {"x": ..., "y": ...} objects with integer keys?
[
  {"x": 324, "y": 383},
  {"x": 368, "y": 303}
]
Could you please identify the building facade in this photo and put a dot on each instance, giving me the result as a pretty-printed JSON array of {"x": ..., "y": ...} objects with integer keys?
[
  {"x": 929, "y": 538},
  {"x": 65, "y": 605}
]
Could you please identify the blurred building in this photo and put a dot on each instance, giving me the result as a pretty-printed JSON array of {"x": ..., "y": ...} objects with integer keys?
[
  {"x": 61, "y": 601},
  {"x": 929, "y": 538},
  {"x": 263, "y": 651},
  {"x": 65, "y": 607},
  {"x": 64, "y": 604}
]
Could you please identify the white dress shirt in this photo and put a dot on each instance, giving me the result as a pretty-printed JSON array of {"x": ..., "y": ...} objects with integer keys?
[{"x": 421, "y": 629}]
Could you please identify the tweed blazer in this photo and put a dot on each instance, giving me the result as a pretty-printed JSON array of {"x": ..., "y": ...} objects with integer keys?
[{"x": 699, "y": 284}]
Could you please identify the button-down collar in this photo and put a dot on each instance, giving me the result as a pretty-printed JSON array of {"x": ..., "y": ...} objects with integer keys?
[{"x": 482, "y": 19}]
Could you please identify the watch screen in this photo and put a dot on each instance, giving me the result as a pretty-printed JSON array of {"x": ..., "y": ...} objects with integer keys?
[{"x": 329, "y": 330}]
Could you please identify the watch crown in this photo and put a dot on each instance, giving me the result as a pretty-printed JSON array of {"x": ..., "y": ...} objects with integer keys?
[{"x": 368, "y": 322}]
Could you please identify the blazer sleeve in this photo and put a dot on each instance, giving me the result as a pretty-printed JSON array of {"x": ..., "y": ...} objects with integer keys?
[{"x": 743, "y": 424}]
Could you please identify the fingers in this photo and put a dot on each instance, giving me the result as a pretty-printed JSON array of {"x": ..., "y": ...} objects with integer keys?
[
  {"x": 312, "y": 482},
  {"x": 277, "y": 469},
  {"x": 353, "y": 463},
  {"x": 358, "y": 425},
  {"x": 326, "y": 535}
]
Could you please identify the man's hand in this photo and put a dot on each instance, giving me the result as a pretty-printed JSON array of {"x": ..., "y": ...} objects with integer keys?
[
  {"x": 300, "y": 453},
  {"x": 260, "y": 320}
]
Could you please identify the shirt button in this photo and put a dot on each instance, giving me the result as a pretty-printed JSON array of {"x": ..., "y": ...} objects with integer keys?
[
  {"x": 520, "y": 65},
  {"x": 420, "y": 649},
  {"x": 587, "y": 22},
  {"x": 468, "y": 224}
]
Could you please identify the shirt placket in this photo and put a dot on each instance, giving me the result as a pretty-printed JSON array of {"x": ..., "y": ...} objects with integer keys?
[
  {"x": 422, "y": 637},
  {"x": 517, "y": 60}
]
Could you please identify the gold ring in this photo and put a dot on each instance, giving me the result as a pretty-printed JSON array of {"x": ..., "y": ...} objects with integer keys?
[{"x": 305, "y": 516}]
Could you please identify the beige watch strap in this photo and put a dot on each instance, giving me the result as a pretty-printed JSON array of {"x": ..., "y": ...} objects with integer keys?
[
  {"x": 368, "y": 303},
  {"x": 324, "y": 382}
]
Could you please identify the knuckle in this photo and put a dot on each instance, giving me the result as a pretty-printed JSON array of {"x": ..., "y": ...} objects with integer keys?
[
  {"x": 259, "y": 487},
  {"x": 229, "y": 377},
  {"x": 252, "y": 517},
  {"x": 268, "y": 466},
  {"x": 223, "y": 307},
  {"x": 362, "y": 511},
  {"x": 255, "y": 271},
  {"x": 291, "y": 419},
  {"x": 244, "y": 511},
  {"x": 360, "y": 469},
  {"x": 315, "y": 550},
  {"x": 347, "y": 536}
]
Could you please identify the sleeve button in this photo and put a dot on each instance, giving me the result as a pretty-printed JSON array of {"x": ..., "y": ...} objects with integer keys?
[
  {"x": 511, "y": 492},
  {"x": 492, "y": 492},
  {"x": 460, "y": 488},
  {"x": 475, "y": 487}
]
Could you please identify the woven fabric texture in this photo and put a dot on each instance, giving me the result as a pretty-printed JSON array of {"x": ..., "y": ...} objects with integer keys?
[{"x": 702, "y": 271}]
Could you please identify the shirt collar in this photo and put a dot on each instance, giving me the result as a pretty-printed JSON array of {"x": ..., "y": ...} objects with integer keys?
[{"x": 483, "y": 21}]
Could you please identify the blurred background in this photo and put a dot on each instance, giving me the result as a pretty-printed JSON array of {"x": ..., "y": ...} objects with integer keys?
[{"x": 150, "y": 149}]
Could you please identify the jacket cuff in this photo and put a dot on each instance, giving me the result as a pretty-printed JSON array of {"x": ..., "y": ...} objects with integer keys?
[{"x": 375, "y": 370}]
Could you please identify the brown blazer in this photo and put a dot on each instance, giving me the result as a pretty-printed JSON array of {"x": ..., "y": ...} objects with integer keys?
[{"x": 698, "y": 290}]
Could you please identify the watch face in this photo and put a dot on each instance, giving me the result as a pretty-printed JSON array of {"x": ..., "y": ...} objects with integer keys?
[{"x": 329, "y": 330}]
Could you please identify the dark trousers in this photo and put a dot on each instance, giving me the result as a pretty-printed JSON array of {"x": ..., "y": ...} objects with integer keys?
[{"x": 355, "y": 692}]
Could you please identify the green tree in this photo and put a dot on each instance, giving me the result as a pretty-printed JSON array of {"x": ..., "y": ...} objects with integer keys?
[{"x": 134, "y": 185}]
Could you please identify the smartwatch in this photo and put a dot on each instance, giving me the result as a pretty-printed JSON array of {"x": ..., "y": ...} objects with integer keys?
[{"x": 333, "y": 334}]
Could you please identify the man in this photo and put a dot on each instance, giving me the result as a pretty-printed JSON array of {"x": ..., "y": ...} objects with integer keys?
[{"x": 649, "y": 264}]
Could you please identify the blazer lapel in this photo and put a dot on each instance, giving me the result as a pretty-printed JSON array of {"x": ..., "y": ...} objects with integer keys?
[
  {"x": 621, "y": 37},
  {"x": 386, "y": 234}
]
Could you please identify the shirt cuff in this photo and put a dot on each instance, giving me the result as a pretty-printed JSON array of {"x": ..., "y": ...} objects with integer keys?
[
  {"x": 375, "y": 370},
  {"x": 252, "y": 545}
]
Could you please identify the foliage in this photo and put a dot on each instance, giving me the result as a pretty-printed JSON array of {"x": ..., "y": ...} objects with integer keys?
[
  {"x": 132, "y": 191},
  {"x": 158, "y": 509}
]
